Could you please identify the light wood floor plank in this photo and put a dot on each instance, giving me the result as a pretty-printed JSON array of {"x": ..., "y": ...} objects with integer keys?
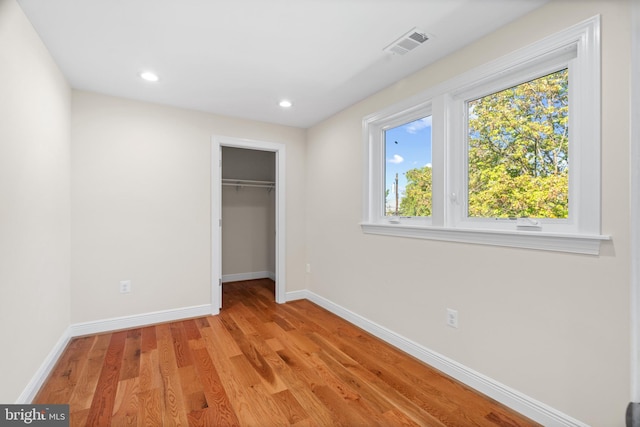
[
  {"x": 174, "y": 412},
  {"x": 125, "y": 408},
  {"x": 84, "y": 390},
  {"x": 150, "y": 408},
  {"x": 232, "y": 384},
  {"x": 103, "y": 400},
  {"x": 131, "y": 357},
  {"x": 221, "y": 410}
]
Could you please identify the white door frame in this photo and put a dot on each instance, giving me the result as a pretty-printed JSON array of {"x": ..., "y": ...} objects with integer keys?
[
  {"x": 635, "y": 201},
  {"x": 217, "y": 142}
]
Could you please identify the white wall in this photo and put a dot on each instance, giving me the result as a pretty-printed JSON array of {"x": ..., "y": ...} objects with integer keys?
[
  {"x": 34, "y": 202},
  {"x": 141, "y": 204},
  {"x": 248, "y": 214},
  {"x": 551, "y": 325}
]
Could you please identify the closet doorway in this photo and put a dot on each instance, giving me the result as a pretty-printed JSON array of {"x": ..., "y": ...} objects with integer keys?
[{"x": 240, "y": 175}]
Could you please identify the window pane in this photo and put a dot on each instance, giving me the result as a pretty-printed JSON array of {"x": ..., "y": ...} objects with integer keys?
[
  {"x": 518, "y": 150},
  {"x": 408, "y": 169}
]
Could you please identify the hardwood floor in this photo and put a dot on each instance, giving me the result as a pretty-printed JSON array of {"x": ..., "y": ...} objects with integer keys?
[{"x": 258, "y": 364}]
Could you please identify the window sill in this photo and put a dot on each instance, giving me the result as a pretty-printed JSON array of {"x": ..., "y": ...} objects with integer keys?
[{"x": 559, "y": 242}]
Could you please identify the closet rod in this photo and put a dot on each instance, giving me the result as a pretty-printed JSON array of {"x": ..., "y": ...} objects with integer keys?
[
  {"x": 245, "y": 181},
  {"x": 248, "y": 183}
]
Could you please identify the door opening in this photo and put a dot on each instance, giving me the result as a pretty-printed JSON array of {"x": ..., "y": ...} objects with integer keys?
[
  {"x": 276, "y": 152},
  {"x": 248, "y": 218}
]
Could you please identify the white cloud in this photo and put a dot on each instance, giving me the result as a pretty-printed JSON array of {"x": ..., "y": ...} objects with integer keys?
[
  {"x": 396, "y": 159},
  {"x": 418, "y": 125},
  {"x": 428, "y": 165}
]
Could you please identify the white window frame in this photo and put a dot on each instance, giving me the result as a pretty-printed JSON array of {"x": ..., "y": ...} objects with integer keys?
[
  {"x": 576, "y": 48},
  {"x": 392, "y": 121}
]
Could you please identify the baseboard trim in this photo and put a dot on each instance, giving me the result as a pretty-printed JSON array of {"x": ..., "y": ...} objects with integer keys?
[
  {"x": 32, "y": 388},
  {"x": 134, "y": 321},
  {"x": 296, "y": 295},
  {"x": 514, "y": 399},
  {"x": 248, "y": 276}
]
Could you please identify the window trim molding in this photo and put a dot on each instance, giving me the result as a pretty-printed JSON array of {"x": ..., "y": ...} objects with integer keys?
[
  {"x": 582, "y": 231},
  {"x": 560, "y": 242}
]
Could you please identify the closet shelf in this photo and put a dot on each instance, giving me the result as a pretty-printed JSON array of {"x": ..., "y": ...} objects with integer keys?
[{"x": 239, "y": 183}]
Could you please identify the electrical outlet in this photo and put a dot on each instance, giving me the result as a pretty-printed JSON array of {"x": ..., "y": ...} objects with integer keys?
[
  {"x": 125, "y": 286},
  {"x": 308, "y": 268},
  {"x": 452, "y": 318}
]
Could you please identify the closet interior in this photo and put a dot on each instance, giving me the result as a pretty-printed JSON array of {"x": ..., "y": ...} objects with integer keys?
[{"x": 248, "y": 214}]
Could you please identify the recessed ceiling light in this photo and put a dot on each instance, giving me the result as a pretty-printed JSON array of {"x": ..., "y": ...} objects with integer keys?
[
  {"x": 149, "y": 76},
  {"x": 285, "y": 103}
]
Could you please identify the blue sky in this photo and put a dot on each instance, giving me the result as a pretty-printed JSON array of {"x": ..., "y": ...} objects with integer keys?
[{"x": 406, "y": 147}]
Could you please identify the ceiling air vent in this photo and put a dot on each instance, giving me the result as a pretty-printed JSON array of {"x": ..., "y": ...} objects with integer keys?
[{"x": 407, "y": 42}]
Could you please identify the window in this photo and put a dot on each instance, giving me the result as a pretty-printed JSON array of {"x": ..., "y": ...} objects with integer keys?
[
  {"x": 518, "y": 150},
  {"x": 506, "y": 154},
  {"x": 408, "y": 169}
]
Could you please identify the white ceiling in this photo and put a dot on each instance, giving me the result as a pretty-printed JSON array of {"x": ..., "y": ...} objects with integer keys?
[{"x": 240, "y": 57}]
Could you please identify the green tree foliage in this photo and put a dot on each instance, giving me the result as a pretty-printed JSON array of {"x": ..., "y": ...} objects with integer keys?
[
  {"x": 518, "y": 154},
  {"x": 518, "y": 151},
  {"x": 417, "y": 197}
]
